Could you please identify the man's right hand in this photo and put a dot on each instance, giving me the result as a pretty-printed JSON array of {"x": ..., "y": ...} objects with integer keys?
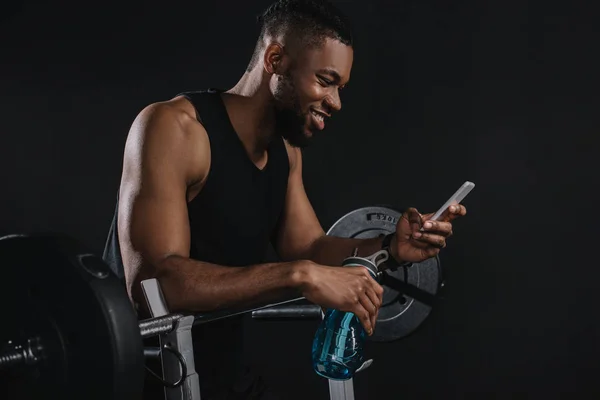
[{"x": 346, "y": 289}]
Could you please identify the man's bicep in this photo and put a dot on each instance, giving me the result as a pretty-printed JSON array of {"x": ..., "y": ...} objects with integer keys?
[
  {"x": 153, "y": 219},
  {"x": 299, "y": 226},
  {"x": 153, "y": 224}
]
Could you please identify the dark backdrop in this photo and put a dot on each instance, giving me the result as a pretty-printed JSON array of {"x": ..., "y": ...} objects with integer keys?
[{"x": 502, "y": 93}]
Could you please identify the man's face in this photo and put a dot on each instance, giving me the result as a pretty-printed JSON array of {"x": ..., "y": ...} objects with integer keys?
[{"x": 308, "y": 93}]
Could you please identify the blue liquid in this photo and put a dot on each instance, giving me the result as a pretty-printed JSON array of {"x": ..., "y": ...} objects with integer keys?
[{"x": 337, "y": 350}]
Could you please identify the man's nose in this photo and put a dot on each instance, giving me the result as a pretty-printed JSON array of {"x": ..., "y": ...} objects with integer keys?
[{"x": 333, "y": 101}]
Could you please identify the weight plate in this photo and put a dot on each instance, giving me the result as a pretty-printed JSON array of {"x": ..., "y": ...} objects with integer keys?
[
  {"x": 72, "y": 302},
  {"x": 408, "y": 292}
]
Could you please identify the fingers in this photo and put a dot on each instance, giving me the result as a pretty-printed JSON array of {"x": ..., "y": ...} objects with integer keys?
[
  {"x": 370, "y": 297},
  {"x": 414, "y": 218},
  {"x": 368, "y": 309},
  {"x": 431, "y": 239},
  {"x": 440, "y": 227},
  {"x": 453, "y": 212},
  {"x": 373, "y": 299},
  {"x": 364, "y": 317},
  {"x": 435, "y": 233}
]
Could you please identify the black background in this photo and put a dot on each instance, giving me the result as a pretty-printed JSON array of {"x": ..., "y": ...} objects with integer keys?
[{"x": 502, "y": 93}]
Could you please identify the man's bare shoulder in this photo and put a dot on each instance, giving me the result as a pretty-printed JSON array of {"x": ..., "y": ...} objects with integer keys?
[
  {"x": 173, "y": 119},
  {"x": 169, "y": 131}
]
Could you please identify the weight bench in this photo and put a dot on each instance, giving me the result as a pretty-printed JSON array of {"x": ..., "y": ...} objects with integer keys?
[{"x": 175, "y": 335}]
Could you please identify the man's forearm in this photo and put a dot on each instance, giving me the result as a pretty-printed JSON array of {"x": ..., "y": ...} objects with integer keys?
[
  {"x": 195, "y": 286},
  {"x": 331, "y": 250}
]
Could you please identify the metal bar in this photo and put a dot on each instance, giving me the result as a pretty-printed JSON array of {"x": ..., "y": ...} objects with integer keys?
[
  {"x": 164, "y": 324},
  {"x": 155, "y": 298},
  {"x": 152, "y": 352},
  {"x": 341, "y": 390},
  {"x": 291, "y": 311},
  {"x": 213, "y": 316},
  {"x": 180, "y": 339},
  {"x": 157, "y": 326}
]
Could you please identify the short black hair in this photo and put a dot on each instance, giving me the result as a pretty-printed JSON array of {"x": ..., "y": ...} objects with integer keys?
[{"x": 310, "y": 21}]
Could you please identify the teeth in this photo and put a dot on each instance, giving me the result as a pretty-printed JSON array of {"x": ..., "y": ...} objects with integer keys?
[{"x": 317, "y": 115}]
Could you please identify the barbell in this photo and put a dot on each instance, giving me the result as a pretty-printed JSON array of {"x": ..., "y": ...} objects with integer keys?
[{"x": 70, "y": 331}]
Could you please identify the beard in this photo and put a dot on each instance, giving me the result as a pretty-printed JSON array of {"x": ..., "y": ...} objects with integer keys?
[{"x": 290, "y": 120}]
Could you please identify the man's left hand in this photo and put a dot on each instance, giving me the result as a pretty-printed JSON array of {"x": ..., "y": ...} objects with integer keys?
[{"x": 410, "y": 244}]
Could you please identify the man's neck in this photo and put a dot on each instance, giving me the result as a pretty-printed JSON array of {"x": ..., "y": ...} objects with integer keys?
[{"x": 250, "y": 107}]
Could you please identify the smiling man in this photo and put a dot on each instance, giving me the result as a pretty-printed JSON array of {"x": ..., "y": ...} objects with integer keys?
[{"x": 211, "y": 178}]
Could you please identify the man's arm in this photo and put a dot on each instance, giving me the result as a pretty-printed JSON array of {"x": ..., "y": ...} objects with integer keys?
[
  {"x": 166, "y": 153},
  {"x": 300, "y": 233}
]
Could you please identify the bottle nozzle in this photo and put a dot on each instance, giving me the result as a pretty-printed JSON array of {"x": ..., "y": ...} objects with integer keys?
[{"x": 378, "y": 258}]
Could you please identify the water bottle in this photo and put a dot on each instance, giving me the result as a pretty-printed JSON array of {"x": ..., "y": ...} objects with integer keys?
[{"x": 337, "y": 350}]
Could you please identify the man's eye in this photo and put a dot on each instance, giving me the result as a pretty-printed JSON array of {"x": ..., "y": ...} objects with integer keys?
[{"x": 325, "y": 81}]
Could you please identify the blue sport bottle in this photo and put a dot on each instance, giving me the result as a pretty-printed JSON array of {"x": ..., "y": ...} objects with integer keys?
[{"x": 337, "y": 350}]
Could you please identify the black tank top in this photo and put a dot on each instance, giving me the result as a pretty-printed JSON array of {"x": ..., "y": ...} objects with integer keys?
[{"x": 232, "y": 220}]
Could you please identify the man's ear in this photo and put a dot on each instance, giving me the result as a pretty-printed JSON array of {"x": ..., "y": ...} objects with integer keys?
[{"x": 274, "y": 59}]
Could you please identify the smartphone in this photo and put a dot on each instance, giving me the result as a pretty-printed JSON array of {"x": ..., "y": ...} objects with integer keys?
[{"x": 457, "y": 197}]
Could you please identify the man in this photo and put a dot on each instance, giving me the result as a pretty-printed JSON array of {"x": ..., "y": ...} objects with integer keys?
[{"x": 210, "y": 178}]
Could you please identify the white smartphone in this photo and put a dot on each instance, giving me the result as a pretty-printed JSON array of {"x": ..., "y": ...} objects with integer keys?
[{"x": 457, "y": 197}]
